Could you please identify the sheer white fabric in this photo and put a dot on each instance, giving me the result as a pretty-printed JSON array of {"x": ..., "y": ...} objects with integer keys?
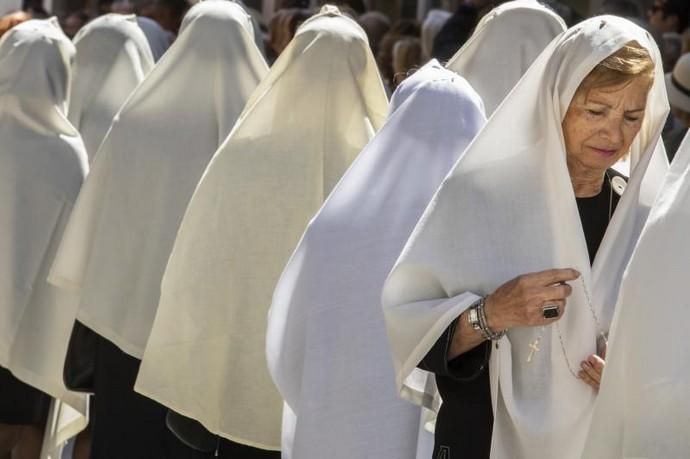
[
  {"x": 503, "y": 46},
  {"x": 125, "y": 220},
  {"x": 326, "y": 341},
  {"x": 320, "y": 104},
  {"x": 508, "y": 208},
  {"x": 643, "y": 408},
  {"x": 113, "y": 57},
  {"x": 42, "y": 166},
  {"x": 432, "y": 25},
  {"x": 159, "y": 39}
]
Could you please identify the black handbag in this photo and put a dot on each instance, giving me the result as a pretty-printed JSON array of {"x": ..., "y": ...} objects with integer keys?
[{"x": 80, "y": 362}]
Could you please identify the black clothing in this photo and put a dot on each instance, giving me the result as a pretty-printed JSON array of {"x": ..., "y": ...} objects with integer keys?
[
  {"x": 465, "y": 420},
  {"x": 21, "y": 404},
  {"x": 195, "y": 435},
  {"x": 455, "y": 32},
  {"x": 128, "y": 425}
]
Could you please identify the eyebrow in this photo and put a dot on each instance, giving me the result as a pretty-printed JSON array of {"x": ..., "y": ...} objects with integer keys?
[{"x": 608, "y": 106}]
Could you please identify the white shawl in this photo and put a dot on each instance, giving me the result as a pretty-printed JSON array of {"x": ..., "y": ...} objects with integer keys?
[
  {"x": 643, "y": 407},
  {"x": 320, "y": 104},
  {"x": 508, "y": 208},
  {"x": 503, "y": 46},
  {"x": 124, "y": 223},
  {"x": 42, "y": 166},
  {"x": 326, "y": 341},
  {"x": 113, "y": 57},
  {"x": 159, "y": 39}
]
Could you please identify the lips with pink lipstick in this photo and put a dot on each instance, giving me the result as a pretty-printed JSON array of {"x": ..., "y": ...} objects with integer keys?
[{"x": 606, "y": 152}]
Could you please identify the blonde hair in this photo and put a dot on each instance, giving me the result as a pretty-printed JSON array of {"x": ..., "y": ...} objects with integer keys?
[{"x": 620, "y": 68}]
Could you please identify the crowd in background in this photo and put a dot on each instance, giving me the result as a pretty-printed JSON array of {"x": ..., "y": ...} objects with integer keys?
[
  {"x": 400, "y": 45},
  {"x": 403, "y": 45}
]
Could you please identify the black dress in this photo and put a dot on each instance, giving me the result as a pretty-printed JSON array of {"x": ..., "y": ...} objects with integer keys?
[
  {"x": 21, "y": 404},
  {"x": 465, "y": 420},
  {"x": 128, "y": 425}
]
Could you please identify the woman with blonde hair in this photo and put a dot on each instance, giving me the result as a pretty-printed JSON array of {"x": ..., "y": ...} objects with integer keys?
[{"x": 508, "y": 282}]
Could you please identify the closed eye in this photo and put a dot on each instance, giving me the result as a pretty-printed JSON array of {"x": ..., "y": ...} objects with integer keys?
[{"x": 595, "y": 112}]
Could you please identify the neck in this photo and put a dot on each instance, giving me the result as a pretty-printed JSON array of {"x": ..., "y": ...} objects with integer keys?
[{"x": 586, "y": 182}]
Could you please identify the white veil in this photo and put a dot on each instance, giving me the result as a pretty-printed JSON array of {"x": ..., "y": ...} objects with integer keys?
[
  {"x": 516, "y": 168},
  {"x": 124, "y": 223},
  {"x": 42, "y": 166},
  {"x": 320, "y": 104},
  {"x": 326, "y": 340},
  {"x": 643, "y": 407},
  {"x": 113, "y": 57},
  {"x": 503, "y": 46}
]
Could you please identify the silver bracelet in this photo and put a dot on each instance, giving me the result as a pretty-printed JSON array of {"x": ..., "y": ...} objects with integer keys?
[{"x": 480, "y": 323}]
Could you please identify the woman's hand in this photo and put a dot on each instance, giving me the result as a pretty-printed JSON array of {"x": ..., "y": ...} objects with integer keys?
[
  {"x": 593, "y": 367},
  {"x": 520, "y": 302},
  {"x": 591, "y": 371}
]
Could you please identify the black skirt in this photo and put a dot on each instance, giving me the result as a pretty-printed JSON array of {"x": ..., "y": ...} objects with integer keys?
[
  {"x": 128, "y": 425},
  {"x": 21, "y": 404}
]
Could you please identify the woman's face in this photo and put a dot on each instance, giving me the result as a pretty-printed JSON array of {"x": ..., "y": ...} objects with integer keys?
[{"x": 602, "y": 123}]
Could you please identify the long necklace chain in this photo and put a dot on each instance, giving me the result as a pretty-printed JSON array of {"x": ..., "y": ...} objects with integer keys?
[{"x": 534, "y": 346}]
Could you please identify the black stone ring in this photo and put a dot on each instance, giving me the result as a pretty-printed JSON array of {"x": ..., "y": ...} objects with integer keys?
[{"x": 550, "y": 311}]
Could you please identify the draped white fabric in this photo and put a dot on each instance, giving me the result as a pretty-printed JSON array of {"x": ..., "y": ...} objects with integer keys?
[
  {"x": 432, "y": 25},
  {"x": 326, "y": 341},
  {"x": 503, "y": 46},
  {"x": 113, "y": 57},
  {"x": 643, "y": 408},
  {"x": 42, "y": 166},
  {"x": 159, "y": 39},
  {"x": 508, "y": 208},
  {"x": 125, "y": 220},
  {"x": 320, "y": 104}
]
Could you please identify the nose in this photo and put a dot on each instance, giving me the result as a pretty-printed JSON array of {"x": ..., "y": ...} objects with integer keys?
[{"x": 612, "y": 131}]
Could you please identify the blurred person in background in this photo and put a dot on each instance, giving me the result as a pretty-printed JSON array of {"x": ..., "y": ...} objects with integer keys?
[
  {"x": 167, "y": 13},
  {"x": 376, "y": 25},
  {"x": 282, "y": 28},
  {"x": 669, "y": 15},
  {"x": 407, "y": 58},
  {"x": 678, "y": 88},
  {"x": 432, "y": 25},
  {"x": 401, "y": 28},
  {"x": 10, "y": 20},
  {"x": 455, "y": 32},
  {"x": 73, "y": 22}
]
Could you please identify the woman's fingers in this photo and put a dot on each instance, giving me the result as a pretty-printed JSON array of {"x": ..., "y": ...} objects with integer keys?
[
  {"x": 587, "y": 379},
  {"x": 592, "y": 370},
  {"x": 553, "y": 276}
]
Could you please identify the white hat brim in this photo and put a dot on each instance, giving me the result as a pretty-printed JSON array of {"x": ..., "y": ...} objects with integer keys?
[{"x": 675, "y": 96}]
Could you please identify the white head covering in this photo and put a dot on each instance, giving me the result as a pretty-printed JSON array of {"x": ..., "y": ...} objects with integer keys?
[
  {"x": 643, "y": 409},
  {"x": 432, "y": 25},
  {"x": 326, "y": 340},
  {"x": 159, "y": 39},
  {"x": 113, "y": 57},
  {"x": 508, "y": 208},
  {"x": 503, "y": 46},
  {"x": 42, "y": 166},
  {"x": 310, "y": 117},
  {"x": 124, "y": 223}
]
